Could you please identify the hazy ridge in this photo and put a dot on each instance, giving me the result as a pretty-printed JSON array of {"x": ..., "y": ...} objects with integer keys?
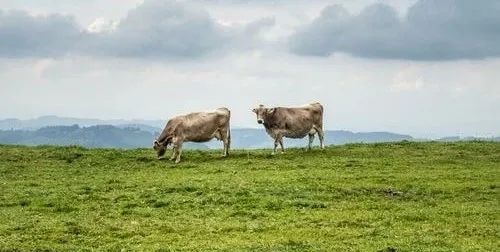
[{"x": 53, "y": 130}]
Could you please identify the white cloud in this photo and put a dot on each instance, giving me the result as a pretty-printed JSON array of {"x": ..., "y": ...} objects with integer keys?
[
  {"x": 102, "y": 25},
  {"x": 42, "y": 65},
  {"x": 408, "y": 79}
]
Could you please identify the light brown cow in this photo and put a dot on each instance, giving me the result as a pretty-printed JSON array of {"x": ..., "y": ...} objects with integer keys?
[
  {"x": 296, "y": 122},
  {"x": 194, "y": 127}
]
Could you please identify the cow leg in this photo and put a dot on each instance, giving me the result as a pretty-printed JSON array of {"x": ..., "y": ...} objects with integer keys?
[
  {"x": 226, "y": 147},
  {"x": 321, "y": 136},
  {"x": 179, "y": 153},
  {"x": 276, "y": 141},
  {"x": 228, "y": 140},
  {"x": 225, "y": 141},
  {"x": 281, "y": 144},
  {"x": 177, "y": 149},
  {"x": 311, "y": 140},
  {"x": 174, "y": 151}
]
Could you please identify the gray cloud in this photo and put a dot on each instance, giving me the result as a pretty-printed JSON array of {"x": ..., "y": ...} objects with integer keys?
[
  {"x": 159, "y": 29},
  {"x": 22, "y": 35},
  {"x": 154, "y": 29},
  {"x": 431, "y": 30}
]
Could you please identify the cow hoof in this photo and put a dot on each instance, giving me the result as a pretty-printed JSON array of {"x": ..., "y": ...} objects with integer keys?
[
  {"x": 160, "y": 158},
  {"x": 273, "y": 153},
  {"x": 177, "y": 161}
]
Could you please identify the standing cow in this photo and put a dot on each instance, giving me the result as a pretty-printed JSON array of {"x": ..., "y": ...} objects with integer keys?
[
  {"x": 294, "y": 122},
  {"x": 194, "y": 127}
]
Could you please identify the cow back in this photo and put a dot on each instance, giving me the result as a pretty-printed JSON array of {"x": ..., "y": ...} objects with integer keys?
[{"x": 201, "y": 126}]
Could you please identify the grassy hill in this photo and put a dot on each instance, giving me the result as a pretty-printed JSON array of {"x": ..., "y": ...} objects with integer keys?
[{"x": 361, "y": 197}]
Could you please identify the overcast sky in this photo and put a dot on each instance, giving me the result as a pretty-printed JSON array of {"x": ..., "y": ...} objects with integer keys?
[{"x": 424, "y": 67}]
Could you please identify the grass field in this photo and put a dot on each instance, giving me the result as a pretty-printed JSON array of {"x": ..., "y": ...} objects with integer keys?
[{"x": 362, "y": 197}]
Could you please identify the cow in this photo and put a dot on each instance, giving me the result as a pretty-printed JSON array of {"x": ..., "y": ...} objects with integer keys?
[
  {"x": 293, "y": 122},
  {"x": 194, "y": 127}
]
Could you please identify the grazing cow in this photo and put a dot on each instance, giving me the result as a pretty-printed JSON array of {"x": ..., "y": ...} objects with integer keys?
[
  {"x": 194, "y": 127},
  {"x": 294, "y": 122}
]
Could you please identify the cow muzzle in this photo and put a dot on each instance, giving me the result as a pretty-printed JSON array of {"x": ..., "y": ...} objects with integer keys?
[{"x": 260, "y": 121}]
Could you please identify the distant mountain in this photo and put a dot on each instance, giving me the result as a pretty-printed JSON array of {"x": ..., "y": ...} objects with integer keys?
[
  {"x": 343, "y": 137},
  {"x": 94, "y": 136},
  {"x": 44, "y": 121},
  {"x": 258, "y": 138},
  {"x": 129, "y": 136},
  {"x": 468, "y": 138},
  {"x": 142, "y": 127},
  {"x": 140, "y": 133},
  {"x": 449, "y": 139}
]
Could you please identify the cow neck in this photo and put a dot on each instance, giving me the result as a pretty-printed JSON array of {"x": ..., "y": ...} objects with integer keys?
[
  {"x": 164, "y": 137},
  {"x": 267, "y": 122},
  {"x": 267, "y": 125}
]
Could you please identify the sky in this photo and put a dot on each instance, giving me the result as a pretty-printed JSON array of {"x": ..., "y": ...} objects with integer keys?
[{"x": 428, "y": 68}]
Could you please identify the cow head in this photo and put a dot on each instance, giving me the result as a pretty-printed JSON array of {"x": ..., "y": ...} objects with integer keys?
[
  {"x": 262, "y": 113},
  {"x": 160, "y": 148}
]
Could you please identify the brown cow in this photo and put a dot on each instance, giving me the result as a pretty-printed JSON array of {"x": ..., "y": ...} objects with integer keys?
[
  {"x": 294, "y": 122},
  {"x": 194, "y": 127}
]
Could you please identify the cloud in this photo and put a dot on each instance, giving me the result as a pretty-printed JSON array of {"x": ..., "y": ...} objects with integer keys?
[
  {"x": 408, "y": 79},
  {"x": 102, "y": 25},
  {"x": 22, "y": 35},
  {"x": 154, "y": 29},
  {"x": 431, "y": 30},
  {"x": 159, "y": 29}
]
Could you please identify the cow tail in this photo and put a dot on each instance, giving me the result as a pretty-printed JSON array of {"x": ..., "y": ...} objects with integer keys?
[
  {"x": 321, "y": 115},
  {"x": 229, "y": 133}
]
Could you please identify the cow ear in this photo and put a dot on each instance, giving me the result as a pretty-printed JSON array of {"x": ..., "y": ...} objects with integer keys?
[
  {"x": 254, "y": 110},
  {"x": 271, "y": 111}
]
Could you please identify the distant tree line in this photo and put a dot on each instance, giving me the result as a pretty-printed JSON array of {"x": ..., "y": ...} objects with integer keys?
[{"x": 121, "y": 136}]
